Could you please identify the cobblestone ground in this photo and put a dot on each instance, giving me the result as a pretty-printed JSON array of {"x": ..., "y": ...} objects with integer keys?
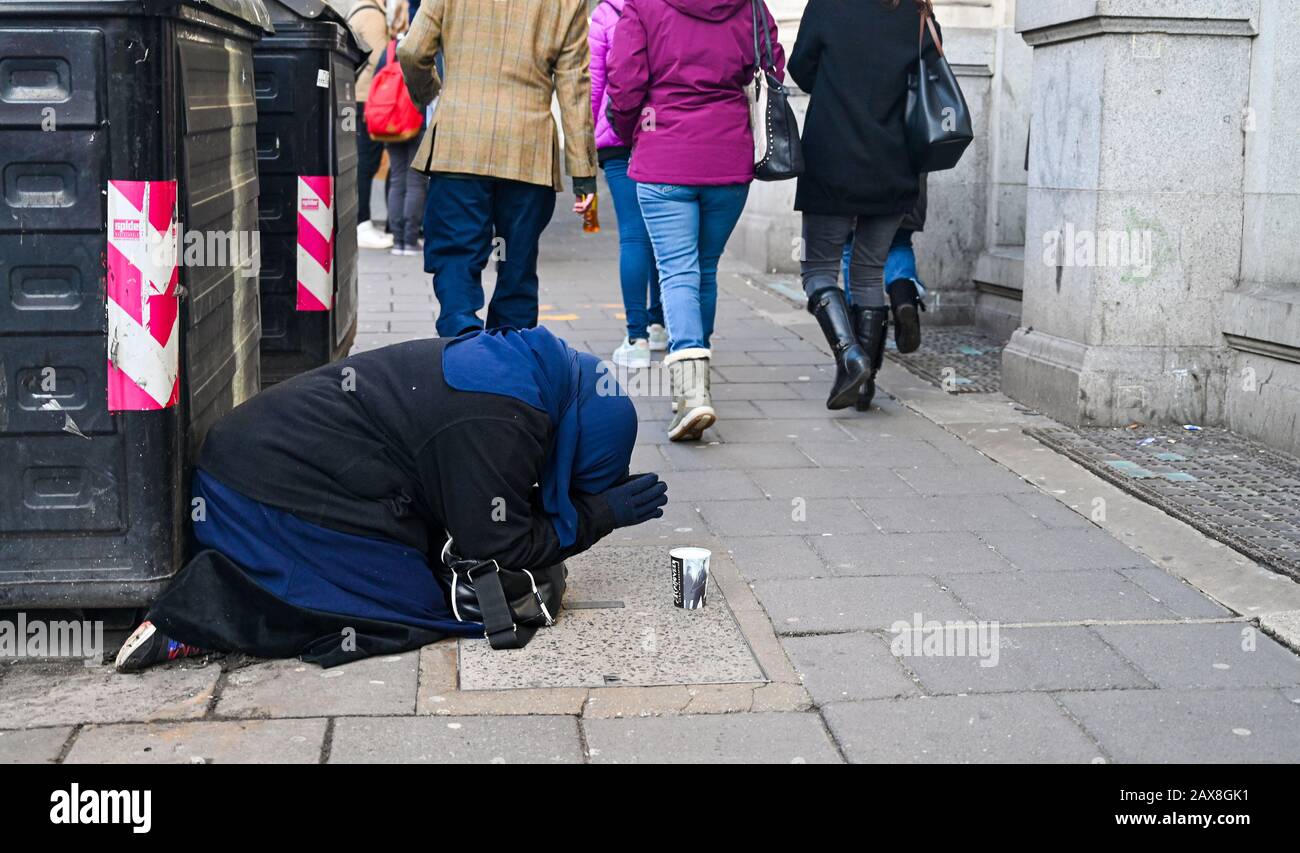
[{"x": 837, "y": 526}]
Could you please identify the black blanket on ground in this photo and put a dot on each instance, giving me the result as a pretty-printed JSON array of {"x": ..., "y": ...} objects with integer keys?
[{"x": 214, "y": 605}]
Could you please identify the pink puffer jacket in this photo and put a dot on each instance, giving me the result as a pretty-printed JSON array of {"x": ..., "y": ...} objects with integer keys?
[{"x": 601, "y": 38}]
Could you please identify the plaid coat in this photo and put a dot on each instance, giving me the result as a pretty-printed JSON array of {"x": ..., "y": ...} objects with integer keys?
[{"x": 504, "y": 59}]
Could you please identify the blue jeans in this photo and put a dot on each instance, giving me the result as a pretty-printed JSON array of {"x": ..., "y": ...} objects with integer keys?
[
  {"x": 462, "y": 217},
  {"x": 636, "y": 256},
  {"x": 690, "y": 226}
]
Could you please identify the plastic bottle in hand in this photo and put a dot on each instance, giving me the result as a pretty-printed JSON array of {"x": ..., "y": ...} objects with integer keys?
[{"x": 591, "y": 218}]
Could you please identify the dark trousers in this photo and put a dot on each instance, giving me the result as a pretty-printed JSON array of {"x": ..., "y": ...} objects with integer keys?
[
  {"x": 369, "y": 155},
  {"x": 406, "y": 194},
  {"x": 469, "y": 221},
  {"x": 824, "y": 237}
]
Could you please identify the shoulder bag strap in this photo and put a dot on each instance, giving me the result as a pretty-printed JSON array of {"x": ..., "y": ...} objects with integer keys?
[
  {"x": 760, "y": 22},
  {"x": 927, "y": 20}
]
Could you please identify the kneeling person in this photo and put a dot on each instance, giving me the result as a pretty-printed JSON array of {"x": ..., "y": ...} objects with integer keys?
[{"x": 321, "y": 502}]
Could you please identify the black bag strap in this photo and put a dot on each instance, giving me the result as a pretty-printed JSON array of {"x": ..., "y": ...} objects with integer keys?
[
  {"x": 498, "y": 622},
  {"x": 760, "y": 21}
]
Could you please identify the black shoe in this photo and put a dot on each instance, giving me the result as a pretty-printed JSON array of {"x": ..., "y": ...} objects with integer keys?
[
  {"x": 852, "y": 365},
  {"x": 907, "y": 307},
  {"x": 872, "y": 327}
]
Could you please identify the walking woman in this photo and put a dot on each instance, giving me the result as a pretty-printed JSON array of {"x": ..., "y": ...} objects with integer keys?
[
  {"x": 636, "y": 257},
  {"x": 407, "y": 186},
  {"x": 853, "y": 59},
  {"x": 320, "y": 502},
  {"x": 677, "y": 77}
]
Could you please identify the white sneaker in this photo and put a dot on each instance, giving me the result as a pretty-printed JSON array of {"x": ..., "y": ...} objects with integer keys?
[
  {"x": 658, "y": 338},
  {"x": 370, "y": 237},
  {"x": 632, "y": 354}
]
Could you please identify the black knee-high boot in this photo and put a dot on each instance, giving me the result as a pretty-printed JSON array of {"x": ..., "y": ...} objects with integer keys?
[
  {"x": 852, "y": 364},
  {"x": 871, "y": 326}
]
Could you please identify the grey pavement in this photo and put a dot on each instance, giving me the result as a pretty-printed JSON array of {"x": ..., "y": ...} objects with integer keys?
[{"x": 861, "y": 548}]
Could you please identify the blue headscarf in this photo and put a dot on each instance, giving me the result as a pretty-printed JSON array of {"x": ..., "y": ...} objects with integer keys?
[{"x": 593, "y": 421}]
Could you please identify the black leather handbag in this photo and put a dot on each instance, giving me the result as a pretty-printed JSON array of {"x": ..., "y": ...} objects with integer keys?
[
  {"x": 511, "y": 603},
  {"x": 938, "y": 122},
  {"x": 778, "y": 152}
]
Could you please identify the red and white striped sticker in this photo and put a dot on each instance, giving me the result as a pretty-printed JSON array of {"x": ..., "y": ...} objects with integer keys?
[
  {"x": 315, "y": 243},
  {"x": 143, "y": 305}
]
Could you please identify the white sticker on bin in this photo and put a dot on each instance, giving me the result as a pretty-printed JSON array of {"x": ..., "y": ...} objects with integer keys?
[{"x": 323, "y": 79}]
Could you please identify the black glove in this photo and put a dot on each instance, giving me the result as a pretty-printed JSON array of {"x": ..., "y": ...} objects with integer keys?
[{"x": 638, "y": 499}]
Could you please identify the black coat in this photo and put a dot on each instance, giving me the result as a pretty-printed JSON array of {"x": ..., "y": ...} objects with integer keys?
[
  {"x": 853, "y": 58},
  {"x": 379, "y": 445}
]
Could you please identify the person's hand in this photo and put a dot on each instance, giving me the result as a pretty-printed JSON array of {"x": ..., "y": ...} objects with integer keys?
[
  {"x": 583, "y": 203},
  {"x": 637, "y": 499}
]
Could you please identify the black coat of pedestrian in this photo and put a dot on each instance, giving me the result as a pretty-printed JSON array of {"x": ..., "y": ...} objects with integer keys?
[{"x": 853, "y": 58}]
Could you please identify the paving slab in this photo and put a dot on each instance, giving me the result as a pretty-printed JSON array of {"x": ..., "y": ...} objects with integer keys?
[
  {"x": 35, "y": 696},
  {"x": 973, "y": 513},
  {"x": 805, "y": 357},
  {"x": 844, "y": 667},
  {"x": 1177, "y": 594},
  {"x": 854, "y": 604},
  {"x": 775, "y": 557},
  {"x": 1057, "y": 597},
  {"x": 783, "y": 430},
  {"x": 1007, "y": 728},
  {"x": 754, "y": 391},
  {"x": 1050, "y": 511},
  {"x": 785, "y": 517},
  {"x": 33, "y": 746},
  {"x": 620, "y": 627},
  {"x": 710, "y": 485},
  {"x": 750, "y": 456},
  {"x": 831, "y": 483},
  {"x": 456, "y": 740},
  {"x": 440, "y": 692},
  {"x": 1190, "y": 726},
  {"x": 715, "y": 739},
  {"x": 1213, "y": 656},
  {"x": 202, "y": 742},
  {"x": 1063, "y": 550},
  {"x": 946, "y": 480},
  {"x": 780, "y": 373},
  {"x": 810, "y": 405},
  {"x": 933, "y": 554},
  {"x": 891, "y": 453},
  {"x": 1027, "y": 660},
  {"x": 291, "y": 688}
]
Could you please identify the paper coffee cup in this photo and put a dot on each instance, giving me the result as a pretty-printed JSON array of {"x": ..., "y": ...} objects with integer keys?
[{"x": 690, "y": 576}]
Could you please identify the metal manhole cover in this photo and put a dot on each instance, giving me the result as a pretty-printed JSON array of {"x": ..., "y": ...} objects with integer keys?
[
  {"x": 1228, "y": 487},
  {"x": 958, "y": 359},
  {"x": 624, "y": 631}
]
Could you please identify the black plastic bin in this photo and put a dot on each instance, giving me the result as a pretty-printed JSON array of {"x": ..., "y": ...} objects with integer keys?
[
  {"x": 105, "y": 105},
  {"x": 306, "y": 129}
]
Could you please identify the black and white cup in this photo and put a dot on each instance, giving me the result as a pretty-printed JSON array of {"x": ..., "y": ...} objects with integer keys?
[{"x": 690, "y": 576}]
